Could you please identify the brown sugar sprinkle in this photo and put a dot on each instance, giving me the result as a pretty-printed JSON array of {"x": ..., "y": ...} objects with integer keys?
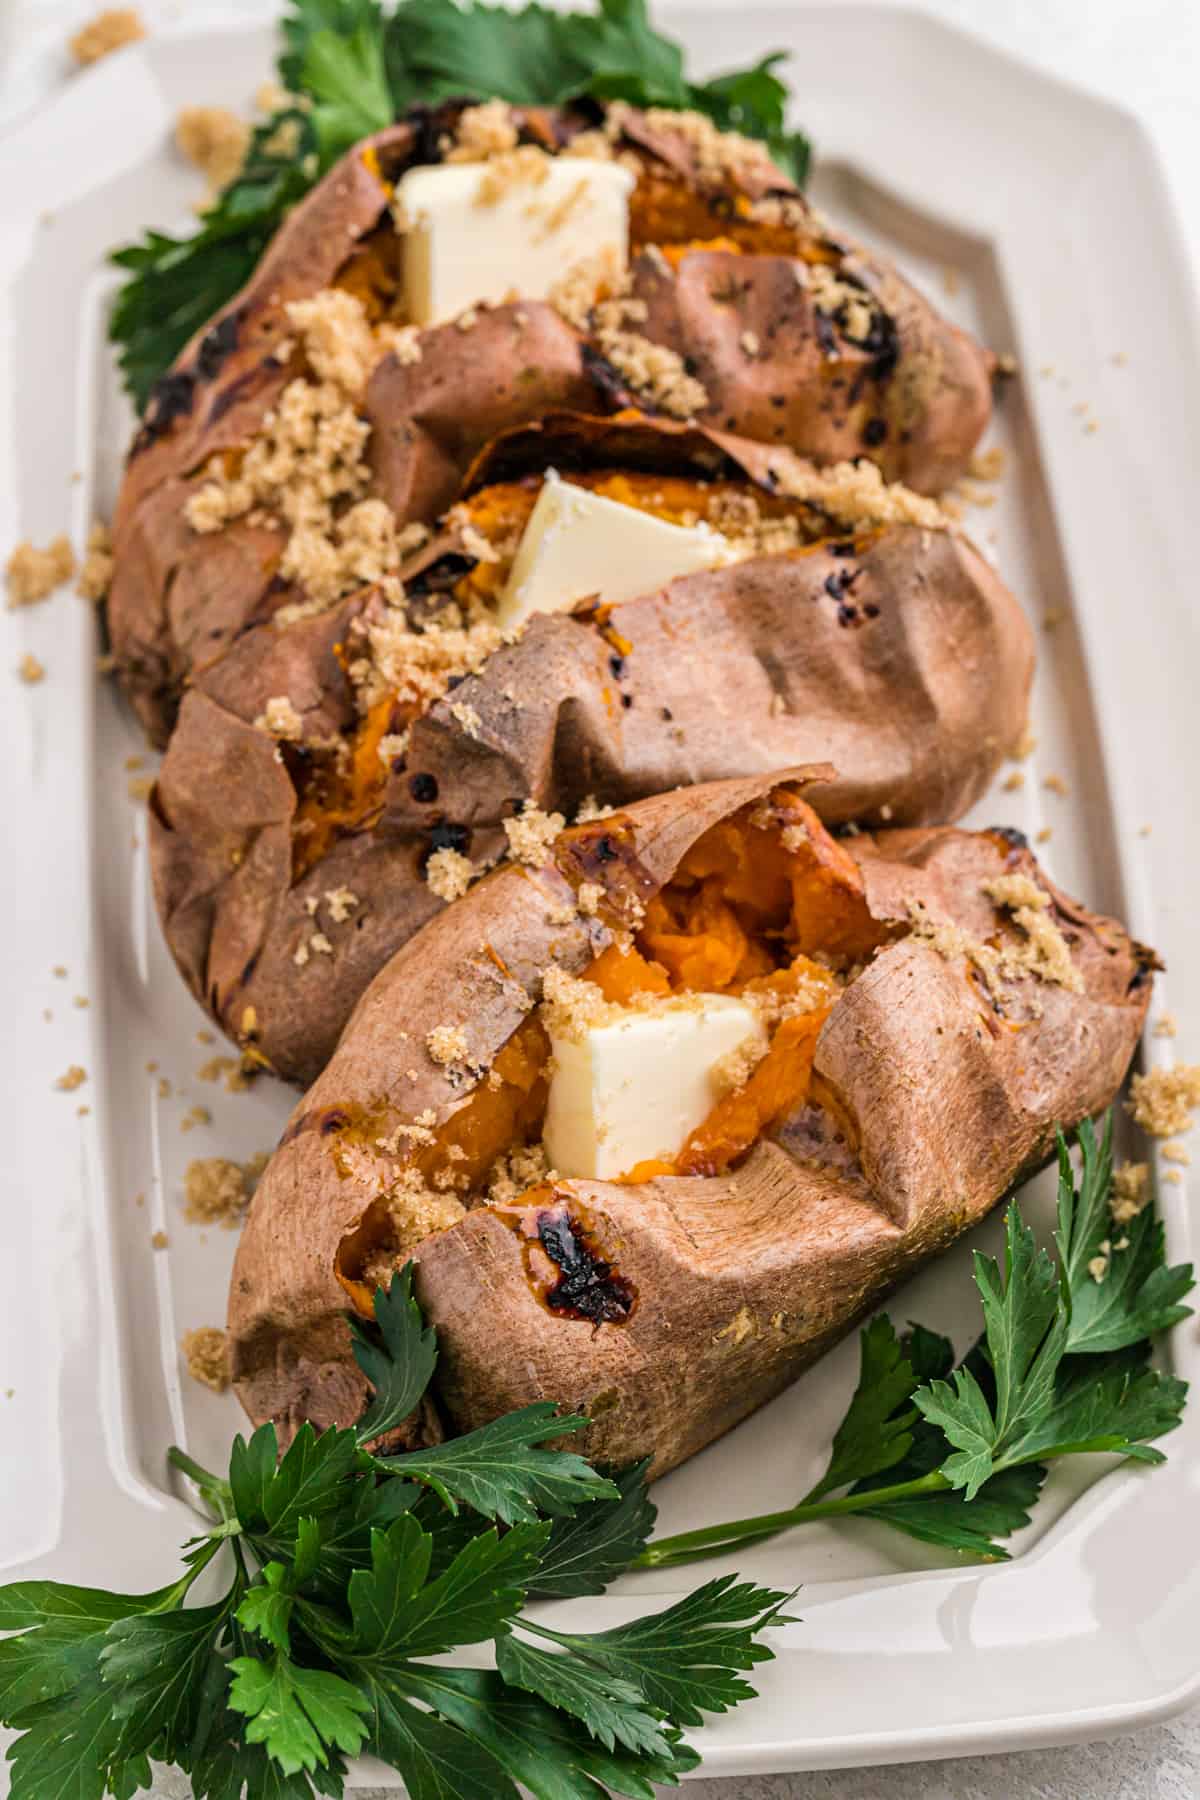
[
  {"x": 1176, "y": 1152},
  {"x": 482, "y": 132},
  {"x": 164, "y": 1088},
  {"x": 159, "y": 1240},
  {"x": 279, "y": 719},
  {"x": 416, "y": 667},
  {"x": 215, "y": 141},
  {"x": 1130, "y": 1191},
  {"x": 449, "y": 874},
  {"x": 95, "y": 574},
  {"x": 139, "y": 788},
  {"x": 218, "y": 1191},
  {"x": 30, "y": 669},
  {"x": 526, "y": 165},
  {"x": 1047, "y": 953},
  {"x": 72, "y": 1078},
  {"x": 341, "y": 903},
  {"x": 107, "y": 32},
  {"x": 1163, "y": 1100},
  {"x": 232, "y": 1070},
  {"x": 447, "y": 1044},
  {"x": 206, "y": 1355},
  {"x": 855, "y": 493},
  {"x": 196, "y": 1115},
  {"x": 1055, "y": 784},
  {"x": 1165, "y": 1026},
  {"x": 1043, "y": 836},
  {"x": 32, "y": 574},
  {"x": 531, "y": 834},
  {"x": 719, "y": 157},
  {"x": 1173, "y": 1176},
  {"x": 1012, "y": 783}
]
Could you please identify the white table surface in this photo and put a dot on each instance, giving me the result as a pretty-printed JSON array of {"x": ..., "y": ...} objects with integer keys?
[{"x": 1146, "y": 55}]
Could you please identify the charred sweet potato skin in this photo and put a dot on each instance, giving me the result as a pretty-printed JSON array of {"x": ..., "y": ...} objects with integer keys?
[{"x": 927, "y": 1102}]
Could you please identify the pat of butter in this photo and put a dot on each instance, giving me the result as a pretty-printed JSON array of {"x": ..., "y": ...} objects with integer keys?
[
  {"x": 470, "y": 238},
  {"x": 636, "y": 1086},
  {"x": 579, "y": 544}
]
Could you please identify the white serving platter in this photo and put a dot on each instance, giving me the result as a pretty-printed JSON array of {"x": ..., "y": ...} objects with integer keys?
[{"x": 1051, "y": 209}]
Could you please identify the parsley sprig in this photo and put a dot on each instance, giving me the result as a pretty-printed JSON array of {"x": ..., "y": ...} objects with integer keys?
[
  {"x": 348, "y": 1569},
  {"x": 956, "y": 1456},
  {"x": 353, "y": 68}
]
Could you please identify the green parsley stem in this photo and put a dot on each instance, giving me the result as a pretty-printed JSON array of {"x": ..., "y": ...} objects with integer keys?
[
  {"x": 179, "y": 1459},
  {"x": 686, "y": 1546}
]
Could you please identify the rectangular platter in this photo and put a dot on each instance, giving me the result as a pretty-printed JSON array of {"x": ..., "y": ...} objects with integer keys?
[{"x": 1065, "y": 253}]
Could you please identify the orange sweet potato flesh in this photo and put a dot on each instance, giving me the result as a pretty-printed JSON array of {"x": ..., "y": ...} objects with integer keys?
[
  {"x": 336, "y": 802},
  {"x": 500, "y": 1114},
  {"x": 740, "y": 896}
]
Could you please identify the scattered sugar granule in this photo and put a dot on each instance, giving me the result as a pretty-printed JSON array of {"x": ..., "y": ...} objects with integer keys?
[
  {"x": 32, "y": 574},
  {"x": 206, "y": 1354},
  {"x": 159, "y": 1240},
  {"x": 449, "y": 874},
  {"x": 107, "y": 32},
  {"x": 95, "y": 574},
  {"x": 447, "y": 1044},
  {"x": 215, "y": 141},
  {"x": 217, "y": 1191},
  {"x": 531, "y": 834},
  {"x": 30, "y": 669},
  {"x": 280, "y": 719},
  {"x": 341, "y": 903},
  {"x": 72, "y": 1078},
  {"x": 1055, "y": 784},
  {"x": 1163, "y": 1100},
  {"x": 1165, "y": 1026},
  {"x": 1130, "y": 1191}
]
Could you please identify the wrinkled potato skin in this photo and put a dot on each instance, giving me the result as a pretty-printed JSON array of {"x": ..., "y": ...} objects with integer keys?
[
  {"x": 741, "y": 670},
  {"x": 179, "y": 597},
  {"x": 741, "y": 1281}
]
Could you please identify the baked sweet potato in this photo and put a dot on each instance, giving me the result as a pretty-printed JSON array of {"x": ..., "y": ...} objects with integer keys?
[
  {"x": 936, "y": 1006},
  {"x": 744, "y": 309},
  {"x": 288, "y": 872}
]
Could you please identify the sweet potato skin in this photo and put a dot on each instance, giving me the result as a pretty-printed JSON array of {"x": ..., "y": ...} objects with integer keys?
[
  {"x": 739, "y": 1281},
  {"x": 915, "y": 403},
  {"x": 743, "y": 670}
]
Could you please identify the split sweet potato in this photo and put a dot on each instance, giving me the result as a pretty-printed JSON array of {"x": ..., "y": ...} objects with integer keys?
[
  {"x": 939, "y": 1008},
  {"x": 790, "y": 333},
  {"x": 890, "y": 648}
]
